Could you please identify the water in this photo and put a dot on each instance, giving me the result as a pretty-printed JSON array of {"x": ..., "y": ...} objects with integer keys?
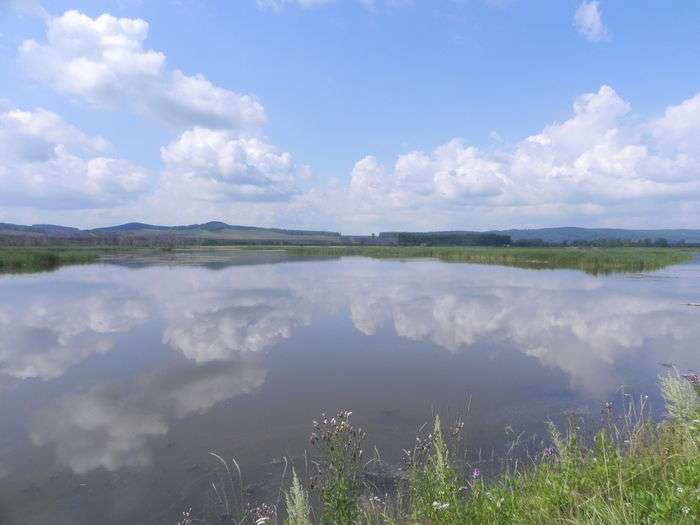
[{"x": 117, "y": 381}]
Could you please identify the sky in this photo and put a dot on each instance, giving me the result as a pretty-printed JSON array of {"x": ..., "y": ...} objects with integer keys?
[{"x": 357, "y": 116}]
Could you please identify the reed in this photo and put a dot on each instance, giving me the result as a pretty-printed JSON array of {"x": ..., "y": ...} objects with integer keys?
[
  {"x": 21, "y": 260},
  {"x": 590, "y": 260}
]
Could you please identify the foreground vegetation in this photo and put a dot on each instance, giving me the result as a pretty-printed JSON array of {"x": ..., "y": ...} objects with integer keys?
[
  {"x": 591, "y": 260},
  {"x": 41, "y": 259},
  {"x": 633, "y": 471}
]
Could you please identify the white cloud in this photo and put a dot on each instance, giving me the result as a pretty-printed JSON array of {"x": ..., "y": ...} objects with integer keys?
[
  {"x": 587, "y": 166},
  {"x": 47, "y": 163},
  {"x": 589, "y": 22},
  {"x": 679, "y": 128},
  {"x": 102, "y": 60},
  {"x": 279, "y": 4},
  {"x": 213, "y": 165},
  {"x": 370, "y": 5}
]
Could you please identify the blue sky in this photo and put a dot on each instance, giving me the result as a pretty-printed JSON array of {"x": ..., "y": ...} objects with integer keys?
[{"x": 350, "y": 114}]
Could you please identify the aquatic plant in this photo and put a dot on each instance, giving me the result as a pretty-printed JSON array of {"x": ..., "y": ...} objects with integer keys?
[
  {"x": 590, "y": 260},
  {"x": 41, "y": 259}
]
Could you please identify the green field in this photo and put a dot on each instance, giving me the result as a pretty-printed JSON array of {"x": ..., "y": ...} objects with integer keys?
[
  {"x": 590, "y": 260},
  {"x": 21, "y": 260}
]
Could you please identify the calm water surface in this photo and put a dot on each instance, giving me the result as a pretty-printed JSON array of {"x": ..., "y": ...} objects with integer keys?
[{"x": 116, "y": 381}]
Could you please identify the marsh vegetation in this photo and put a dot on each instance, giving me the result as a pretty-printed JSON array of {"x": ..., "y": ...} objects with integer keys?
[
  {"x": 41, "y": 259},
  {"x": 590, "y": 260},
  {"x": 632, "y": 471}
]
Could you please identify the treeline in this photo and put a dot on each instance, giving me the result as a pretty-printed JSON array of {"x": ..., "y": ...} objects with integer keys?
[
  {"x": 453, "y": 239},
  {"x": 607, "y": 243},
  {"x": 151, "y": 241}
]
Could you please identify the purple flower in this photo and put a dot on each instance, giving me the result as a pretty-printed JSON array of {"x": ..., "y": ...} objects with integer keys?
[
  {"x": 549, "y": 451},
  {"x": 693, "y": 379},
  {"x": 476, "y": 473}
]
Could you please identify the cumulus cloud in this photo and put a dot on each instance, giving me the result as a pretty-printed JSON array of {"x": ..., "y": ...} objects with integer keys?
[
  {"x": 103, "y": 61},
  {"x": 47, "y": 163},
  {"x": 589, "y": 165},
  {"x": 588, "y": 19},
  {"x": 278, "y": 5},
  {"x": 219, "y": 156},
  {"x": 216, "y": 166},
  {"x": 679, "y": 129}
]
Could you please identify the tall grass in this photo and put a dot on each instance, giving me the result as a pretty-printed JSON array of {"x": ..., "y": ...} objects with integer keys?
[
  {"x": 591, "y": 260},
  {"x": 40, "y": 259},
  {"x": 633, "y": 471}
]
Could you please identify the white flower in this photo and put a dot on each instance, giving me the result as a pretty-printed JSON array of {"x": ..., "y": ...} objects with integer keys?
[
  {"x": 685, "y": 510},
  {"x": 262, "y": 521},
  {"x": 440, "y": 506}
]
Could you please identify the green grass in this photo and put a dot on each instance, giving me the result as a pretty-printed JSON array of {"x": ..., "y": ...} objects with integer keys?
[
  {"x": 21, "y": 260},
  {"x": 633, "y": 472},
  {"x": 590, "y": 260}
]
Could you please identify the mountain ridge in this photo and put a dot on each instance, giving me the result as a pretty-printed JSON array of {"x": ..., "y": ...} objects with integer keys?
[{"x": 218, "y": 231}]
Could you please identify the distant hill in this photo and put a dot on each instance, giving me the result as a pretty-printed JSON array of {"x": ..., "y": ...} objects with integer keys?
[
  {"x": 557, "y": 235},
  {"x": 218, "y": 231},
  {"x": 221, "y": 233},
  {"x": 135, "y": 233},
  {"x": 570, "y": 234}
]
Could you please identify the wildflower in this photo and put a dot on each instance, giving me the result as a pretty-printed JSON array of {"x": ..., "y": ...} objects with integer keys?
[
  {"x": 440, "y": 506},
  {"x": 476, "y": 473},
  {"x": 679, "y": 490},
  {"x": 693, "y": 379},
  {"x": 549, "y": 451},
  {"x": 685, "y": 510}
]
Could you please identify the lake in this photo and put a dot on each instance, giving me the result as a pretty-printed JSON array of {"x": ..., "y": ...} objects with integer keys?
[{"x": 117, "y": 380}]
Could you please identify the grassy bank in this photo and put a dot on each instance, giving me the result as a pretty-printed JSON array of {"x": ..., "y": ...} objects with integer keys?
[
  {"x": 591, "y": 260},
  {"x": 633, "y": 471},
  {"x": 40, "y": 259}
]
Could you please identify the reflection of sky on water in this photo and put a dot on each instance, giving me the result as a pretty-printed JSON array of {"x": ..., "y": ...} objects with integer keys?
[
  {"x": 48, "y": 326},
  {"x": 219, "y": 326},
  {"x": 111, "y": 426}
]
